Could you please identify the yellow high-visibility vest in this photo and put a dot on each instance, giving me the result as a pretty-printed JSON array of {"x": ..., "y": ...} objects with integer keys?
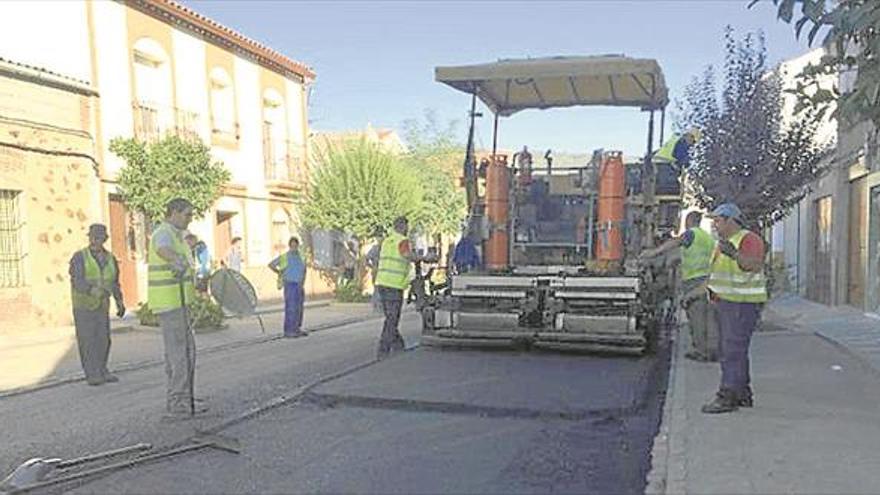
[
  {"x": 697, "y": 258},
  {"x": 394, "y": 269},
  {"x": 664, "y": 154},
  {"x": 163, "y": 288},
  {"x": 730, "y": 282},
  {"x": 97, "y": 276}
]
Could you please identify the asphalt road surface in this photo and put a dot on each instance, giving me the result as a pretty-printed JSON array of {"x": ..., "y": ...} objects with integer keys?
[{"x": 425, "y": 421}]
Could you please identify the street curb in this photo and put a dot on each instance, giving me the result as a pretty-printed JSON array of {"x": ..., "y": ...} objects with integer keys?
[
  {"x": 125, "y": 367},
  {"x": 668, "y": 472}
]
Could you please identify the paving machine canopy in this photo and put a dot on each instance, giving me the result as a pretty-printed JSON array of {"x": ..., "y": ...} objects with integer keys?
[{"x": 508, "y": 86}]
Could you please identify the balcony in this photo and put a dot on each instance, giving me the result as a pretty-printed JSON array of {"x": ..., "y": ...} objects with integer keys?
[
  {"x": 284, "y": 164},
  {"x": 187, "y": 125},
  {"x": 148, "y": 122},
  {"x": 153, "y": 122}
]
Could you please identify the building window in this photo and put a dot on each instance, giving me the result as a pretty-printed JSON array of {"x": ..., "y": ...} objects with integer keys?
[
  {"x": 153, "y": 114},
  {"x": 11, "y": 252},
  {"x": 275, "y": 155},
  {"x": 222, "y": 104}
]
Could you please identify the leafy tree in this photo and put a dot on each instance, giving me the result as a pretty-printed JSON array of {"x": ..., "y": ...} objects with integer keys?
[
  {"x": 436, "y": 157},
  {"x": 853, "y": 42},
  {"x": 156, "y": 173},
  {"x": 746, "y": 154},
  {"x": 356, "y": 187}
]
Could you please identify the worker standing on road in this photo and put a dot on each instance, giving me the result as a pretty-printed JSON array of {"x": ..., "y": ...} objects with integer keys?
[
  {"x": 94, "y": 277},
  {"x": 291, "y": 272},
  {"x": 738, "y": 288},
  {"x": 393, "y": 276},
  {"x": 372, "y": 262},
  {"x": 696, "y": 256},
  {"x": 170, "y": 267}
]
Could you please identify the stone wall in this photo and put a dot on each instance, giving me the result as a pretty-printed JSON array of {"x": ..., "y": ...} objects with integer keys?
[{"x": 45, "y": 153}]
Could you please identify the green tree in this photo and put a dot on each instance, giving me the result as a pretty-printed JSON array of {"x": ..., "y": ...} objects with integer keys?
[
  {"x": 746, "y": 154},
  {"x": 852, "y": 40},
  {"x": 156, "y": 173},
  {"x": 436, "y": 158},
  {"x": 356, "y": 187}
]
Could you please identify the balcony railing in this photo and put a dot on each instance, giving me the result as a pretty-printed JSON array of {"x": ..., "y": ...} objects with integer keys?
[
  {"x": 284, "y": 162},
  {"x": 188, "y": 125},
  {"x": 147, "y": 122}
]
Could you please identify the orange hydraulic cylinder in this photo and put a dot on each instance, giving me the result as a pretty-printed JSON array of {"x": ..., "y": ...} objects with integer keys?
[
  {"x": 612, "y": 197},
  {"x": 498, "y": 213}
]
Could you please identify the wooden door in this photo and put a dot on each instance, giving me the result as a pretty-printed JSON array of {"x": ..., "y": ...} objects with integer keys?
[
  {"x": 121, "y": 240},
  {"x": 858, "y": 242}
]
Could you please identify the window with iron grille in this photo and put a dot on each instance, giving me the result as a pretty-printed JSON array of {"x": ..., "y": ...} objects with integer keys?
[{"x": 11, "y": 253}]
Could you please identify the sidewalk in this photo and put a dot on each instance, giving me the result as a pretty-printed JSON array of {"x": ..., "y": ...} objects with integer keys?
[
  {"x": 40, "y": 359},
  {"x": 815, "y": 426}
]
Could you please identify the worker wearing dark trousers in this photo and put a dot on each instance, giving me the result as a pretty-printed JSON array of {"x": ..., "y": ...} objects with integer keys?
[
  {"x": 393, "y": 276},
  {"x": 392, "y": 305},
  {"x": 738, "y": 289},
  {"x": 94, "y": 275}
]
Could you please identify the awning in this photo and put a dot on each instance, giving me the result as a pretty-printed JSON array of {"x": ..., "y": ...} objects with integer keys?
[{"x": 508, "y": 86}]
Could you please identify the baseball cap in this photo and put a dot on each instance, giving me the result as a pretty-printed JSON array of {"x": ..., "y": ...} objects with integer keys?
[{"x": 727, "y": 210}]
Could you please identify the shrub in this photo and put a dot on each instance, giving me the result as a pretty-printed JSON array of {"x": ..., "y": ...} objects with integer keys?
[
  {"x": 349, "y": 291},
  {"x": 204, "y": 314}
]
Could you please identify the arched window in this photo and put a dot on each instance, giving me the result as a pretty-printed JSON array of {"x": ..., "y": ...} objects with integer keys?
[
  {"x": 153, "y": 114},
  {"x": 222, "y": 103}
]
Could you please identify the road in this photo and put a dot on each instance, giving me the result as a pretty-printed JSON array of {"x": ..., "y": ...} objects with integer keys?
[{"x": 426, "y": 421}]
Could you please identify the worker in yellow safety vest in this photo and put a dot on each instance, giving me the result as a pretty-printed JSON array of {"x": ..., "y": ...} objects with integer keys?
[
  {"x": 94, "y": 277},
  {"x": 738, "y": 289},
  {"x": 170, "y": 290},
  {"x": 697, "y": 247},
  {"x": 392, "y": 277},
  {"x": 677, "y": 150}
]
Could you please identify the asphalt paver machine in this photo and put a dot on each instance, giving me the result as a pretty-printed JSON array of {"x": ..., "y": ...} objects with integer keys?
[{"x": 560, "y": 245}]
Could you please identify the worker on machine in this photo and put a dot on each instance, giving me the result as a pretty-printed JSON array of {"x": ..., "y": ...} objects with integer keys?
[{"x": 677, "y": 150}]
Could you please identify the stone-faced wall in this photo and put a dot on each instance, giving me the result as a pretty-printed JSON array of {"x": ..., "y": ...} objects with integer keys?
[{"x": 45, "y": 145}]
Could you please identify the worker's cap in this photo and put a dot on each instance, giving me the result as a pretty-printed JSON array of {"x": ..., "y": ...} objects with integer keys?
[
  {"x": 98, "y": 230},
  {"x": 727, "y": 210},
  {"x": 696, "y": 133}
]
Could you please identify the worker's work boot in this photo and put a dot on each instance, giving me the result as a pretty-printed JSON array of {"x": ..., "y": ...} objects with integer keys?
[
  {"x": 180, "y": 413},
  {"x": 725, "y": 401},
  {"x": 96, "y": 380},
  {"x": 746, "y": 398}
]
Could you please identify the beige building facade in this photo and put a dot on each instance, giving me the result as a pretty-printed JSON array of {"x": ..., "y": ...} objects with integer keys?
[{"x": 150, "y": 68}]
